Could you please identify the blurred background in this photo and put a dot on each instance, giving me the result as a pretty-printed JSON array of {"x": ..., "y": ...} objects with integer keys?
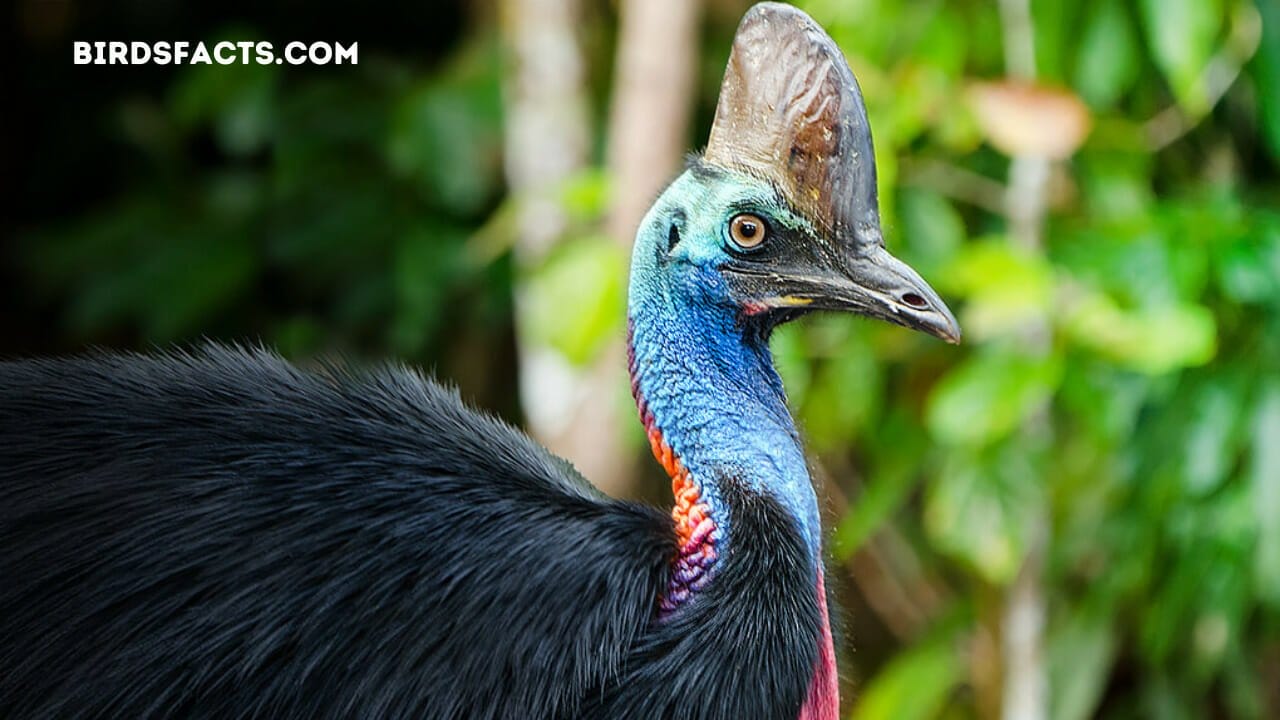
[{"x": 1075, "y": 514}]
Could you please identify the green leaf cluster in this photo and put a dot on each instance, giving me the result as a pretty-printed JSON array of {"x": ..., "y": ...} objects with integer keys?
[
  {"x": 317, "y": 210},
  {"x": 1114, "y": 407}
]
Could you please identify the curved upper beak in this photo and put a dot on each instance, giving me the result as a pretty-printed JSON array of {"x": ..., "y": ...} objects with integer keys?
[
  {"x": 880, "y": 285},
  {"x": 872, "y": 283}
]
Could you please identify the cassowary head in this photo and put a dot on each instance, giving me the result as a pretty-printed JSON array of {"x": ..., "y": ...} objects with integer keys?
[{"x": 780, "y": 215}]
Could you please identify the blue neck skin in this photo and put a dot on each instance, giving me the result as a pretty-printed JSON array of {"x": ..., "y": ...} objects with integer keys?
[{"x": 708, "y": 379}]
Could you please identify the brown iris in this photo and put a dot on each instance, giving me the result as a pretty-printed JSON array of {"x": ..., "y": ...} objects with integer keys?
[{"x": 747, "y": 230}]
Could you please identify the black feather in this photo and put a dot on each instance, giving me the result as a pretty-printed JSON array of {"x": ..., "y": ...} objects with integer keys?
[
  {"x": 746, "y": 646},
  {"x": 220, "y": 534}
]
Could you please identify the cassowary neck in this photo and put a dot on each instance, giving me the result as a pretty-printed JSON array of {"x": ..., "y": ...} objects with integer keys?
[{"x": 713, "y": 406}]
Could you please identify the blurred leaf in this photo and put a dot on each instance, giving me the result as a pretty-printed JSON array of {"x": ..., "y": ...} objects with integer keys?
[
  {"x": 1153, "y": 340},
  {"x": 1080, "y": 652},
  {"x": 1141, "y": 263},
  {"x": 791, "y": 357},
  {"x": 1108, "y": 60},
  {"x": 989, "y": 395},
  {"x": 586, "y": 195},
  {"x": 196, "y": 281},
  {"x": 980, "y": 508},
  {"x": 913, "y": 686},
  {"x": 1182, "y": 35},
  {"x": 299, "y": 337},
  {"x": 1249, "y": 270},
  {"x": 1210, "y": 447},
  {"x": 334, "y": 241},
  {"x": 1204, "y": 593},
  {"x": 1244, "y": 688},
  {"x": 848, "y": 391},
  {"x": 145, "y": 266},
  {"x": 1264, "y": 474},
  {"x": 1266, "y": 74},
  {"x": 886, "y": 172},
  {"x": 425, "y": 267},
  {"x": 446, "y": 133},
  {"x": 1053, "y": 23},
  {"x": 1116, "y": 186},
  {"x": 1106, "y": 399},
  {"x": 921, "y": 93},
  {"x": 577, "y": 300},
  {"x": 1161, "y": 698},
  {"x": 238, "y": 100},
  {"x": 934, "y": 231},
  {"x": 939, "y": 44},
  {"x": 1007, "y": 288},
  {"x": 1163, "y": 625}
]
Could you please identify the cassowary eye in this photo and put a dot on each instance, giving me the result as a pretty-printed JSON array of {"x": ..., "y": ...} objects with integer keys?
[{"x": 747, "y": 230}]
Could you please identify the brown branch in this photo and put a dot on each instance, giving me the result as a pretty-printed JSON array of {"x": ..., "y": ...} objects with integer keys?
[
  {"x": 890, "y": 574},
  {"x": 954, "y": 182}
]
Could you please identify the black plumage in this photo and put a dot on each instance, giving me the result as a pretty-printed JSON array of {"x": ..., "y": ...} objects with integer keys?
[{"x": 221, "y": 534}]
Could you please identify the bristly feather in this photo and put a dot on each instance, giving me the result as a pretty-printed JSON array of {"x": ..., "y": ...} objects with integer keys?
[
  {"x": 745, "y": 646},
  {"x": 220, "y": 534}
]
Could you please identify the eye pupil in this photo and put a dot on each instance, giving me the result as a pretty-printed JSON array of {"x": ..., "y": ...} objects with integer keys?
[{"x": 747, "y": 230}]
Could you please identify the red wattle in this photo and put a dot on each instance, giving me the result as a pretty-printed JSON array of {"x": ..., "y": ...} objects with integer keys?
[{"x": 823, "y": 702}]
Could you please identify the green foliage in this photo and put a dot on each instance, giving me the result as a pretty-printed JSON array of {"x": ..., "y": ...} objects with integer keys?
[
  {"x": 336, "y": 213},
  {"x": 1266, "y": 74},
  {"x": 914, "y": 686},
  {"x": 989, "y": 395},
  {"x": 1109, "y": 59},
  {"x": 1081, "y": 651},
  {"x": 1182, "y": 35},
  {"x": 1116, "y": 398},
  {"x": 577, "y": 297}
]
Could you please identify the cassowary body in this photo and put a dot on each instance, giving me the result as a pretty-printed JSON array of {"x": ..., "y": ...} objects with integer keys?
[{"x": 219, "y": 534}]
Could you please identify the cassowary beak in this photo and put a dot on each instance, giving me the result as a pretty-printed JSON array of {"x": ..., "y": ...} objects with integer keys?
[
  {"x": 875, "y": 284},
  {"x": 883, "y": 286},
  {"x": 791, "y": 113}
]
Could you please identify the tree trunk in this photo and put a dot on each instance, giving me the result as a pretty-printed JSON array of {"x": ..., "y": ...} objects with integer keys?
[
  {"x": 652, "y": 98},
  {"x": 648, "y": 133},
  {"x": 579, "y": 412},
  {"x": 548, "y": 134},
  {"x": 1026, "y": 678}
]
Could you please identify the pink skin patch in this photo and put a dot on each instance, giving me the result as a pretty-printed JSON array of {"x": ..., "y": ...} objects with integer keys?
[{"x": 823, "y": 702}]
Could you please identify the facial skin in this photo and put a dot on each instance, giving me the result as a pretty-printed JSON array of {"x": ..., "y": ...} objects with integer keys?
[{"x": 777, "y": 262}]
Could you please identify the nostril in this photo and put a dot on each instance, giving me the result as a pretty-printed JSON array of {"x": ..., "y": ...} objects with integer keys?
[{"x": 915, "y": 301}]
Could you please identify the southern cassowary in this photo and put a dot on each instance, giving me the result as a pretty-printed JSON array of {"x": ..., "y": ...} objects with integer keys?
[{"x": 220, "y": 534}]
